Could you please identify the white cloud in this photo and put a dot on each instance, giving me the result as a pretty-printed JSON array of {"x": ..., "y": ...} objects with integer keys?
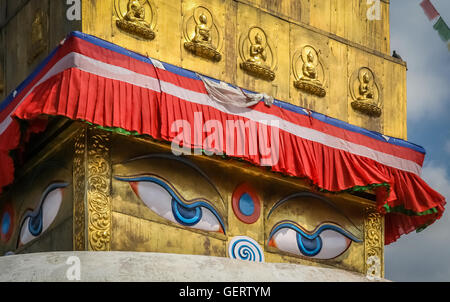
[
  {"x": 428, "y": 95},
  {"x": 437, "y": 177},
  {"x": 447, "y": 146},
  {"x": 427, "y": 57},
  {"x": 418, "y": 256}
]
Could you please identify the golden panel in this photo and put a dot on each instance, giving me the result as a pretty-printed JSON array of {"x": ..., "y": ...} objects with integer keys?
[
  {"x": 338, "y": 83},
  {"x": 39, "y": 35},
  {"x": 222, "y": 34},
  {"x": 272, "y": 27},
  {"x": 79, "y": 189},
  {"x": 356, "y": 60},
  {"x": 137, "y": 214},
  {"x": 98, "y": 190},
  {"x": 131, "y": 233},
  {"x": 394, "y": 102},
  {"x": 137, "y": 17},
  {"x": 233, "y": 19},
  {"x": 308, "y": 71},
  {"x": 319, "y": 14},
  {"x": 258, "y": 56},
  {"x": 301, "y": 40},
  {"x": 41, "y": 203},
  {"x": 365, "y": 91},
  {"x": 312, "y": 213},
  {"x": 374, "y": 244},
  {"x": 203, "y": 37}
]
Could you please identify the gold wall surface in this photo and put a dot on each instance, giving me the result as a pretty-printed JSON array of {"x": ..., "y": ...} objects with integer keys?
[
  {"x": 340, "y": 31},
  {"x": 138, "y": 224},
  {"x": 111, "y": 202},
  {"x": 20, "y": 48},
  {"x": 41, "y": 193}
]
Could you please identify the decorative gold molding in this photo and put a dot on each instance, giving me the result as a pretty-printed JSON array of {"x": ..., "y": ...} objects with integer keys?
[
  {"x": 79, "y": 178},
  {"x": 137, "y": 17},
  {"x": 310, "y": 79},
  {"x": 374, "y": 243},
  {"x": 258, "y": 55},
  {"x": 202, "y": 35},
  {"x": 98, "y": 190}
]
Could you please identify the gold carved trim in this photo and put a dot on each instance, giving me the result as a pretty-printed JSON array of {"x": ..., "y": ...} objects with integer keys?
[
  {"x": 79, "y": 189},
  {"x": 98, "y": 190},
  {"x": 374, "y": 244}
]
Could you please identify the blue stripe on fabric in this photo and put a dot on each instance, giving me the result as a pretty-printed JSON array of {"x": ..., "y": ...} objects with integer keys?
[
  {"x": 110, "y": 46},
  {"x": 192, "y": 75}
]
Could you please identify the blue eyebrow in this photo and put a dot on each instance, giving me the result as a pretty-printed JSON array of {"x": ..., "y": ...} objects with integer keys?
[
  {"x": 180, "y": 159},
  {"x": 174, "y": 195},
  {"x": 312, "y": 195},
  {"x": 316, "y": 233}
]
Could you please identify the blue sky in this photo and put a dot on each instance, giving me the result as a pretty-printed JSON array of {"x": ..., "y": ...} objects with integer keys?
[{"x": 424, "y": 256}]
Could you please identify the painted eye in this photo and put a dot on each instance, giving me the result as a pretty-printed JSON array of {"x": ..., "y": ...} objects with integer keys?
[
  {"x": 162, "y": 200},
  {"x": 37, "y": 222},
  {"x": 328, "y": 242}
]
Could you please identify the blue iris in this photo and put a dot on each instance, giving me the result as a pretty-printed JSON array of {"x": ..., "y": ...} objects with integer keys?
[
  {"x": 6, "y": 223},
  {"x": 35, "y": 223},
  {"x": 184, "y": 215},
  {"x": 309, "y": 247},
  {"x": 246, "y": 205}
]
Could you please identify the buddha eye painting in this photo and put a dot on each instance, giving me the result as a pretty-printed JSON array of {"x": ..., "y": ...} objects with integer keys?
[{"x": 271, "y": 143}]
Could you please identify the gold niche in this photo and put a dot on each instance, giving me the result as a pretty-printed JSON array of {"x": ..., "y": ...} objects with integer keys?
[
  {"x": 136, "y": 17},
  {"x": 202, "y": 35},
  {"x": 258, "y": 56},
  {"x": 310, "y": 79},
  {"x": 365, "y": 92},
  {"x": 38, "y": 35}
]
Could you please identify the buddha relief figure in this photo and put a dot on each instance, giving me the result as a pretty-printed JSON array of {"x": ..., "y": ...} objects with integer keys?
[
  {"x": 257, "y": 54},
  {"x": 136, "y": 13},
  {"x": 365, "y": 92},
  {"x": 309, "y": 68},
  {"x": 133, "y": 19},
  {"x": 202, "y": 35},
  {"x": 365, "y": 88},
  {"x": 311, "y": 77},
  {"x": 38, "y": 43}
]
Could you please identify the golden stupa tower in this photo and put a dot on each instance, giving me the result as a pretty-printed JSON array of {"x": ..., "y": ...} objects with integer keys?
[{"x": 109, "y": 158}]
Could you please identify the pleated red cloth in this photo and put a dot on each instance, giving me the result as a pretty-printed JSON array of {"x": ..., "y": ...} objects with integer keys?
[
  {"x": 82, "y": 96},
  {"x": 112, "y": 100}
]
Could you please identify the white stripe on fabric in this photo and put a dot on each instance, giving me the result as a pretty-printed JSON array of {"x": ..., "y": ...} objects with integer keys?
[
  {"x": 122, "y": 74},
  {"x": 92, "y": 66},
  {"x": 302, "y": 132}
]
